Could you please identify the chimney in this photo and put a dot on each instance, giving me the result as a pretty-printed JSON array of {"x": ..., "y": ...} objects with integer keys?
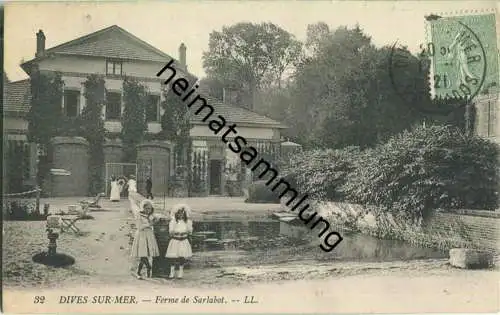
[
  {"x": 182, "y": 55},
  {"x": 40, "y": 43}
]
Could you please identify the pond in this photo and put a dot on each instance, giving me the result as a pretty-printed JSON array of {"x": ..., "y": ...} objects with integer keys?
[{"x": 268, "y": 239}]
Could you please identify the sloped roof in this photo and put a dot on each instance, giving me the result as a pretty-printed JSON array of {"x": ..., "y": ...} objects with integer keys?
[
  {"x": 17, "y": 96},
  {"x": 236, "y": 114},
  {"x": 115, "y": 42},
  {"x": 110, "y": 42}
]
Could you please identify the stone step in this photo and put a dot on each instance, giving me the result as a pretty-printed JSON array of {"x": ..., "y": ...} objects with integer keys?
[{"x": 470, "y": 258}]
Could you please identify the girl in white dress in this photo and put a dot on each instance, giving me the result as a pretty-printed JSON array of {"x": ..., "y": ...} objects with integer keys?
[
  {"x": 179, "y": 248},
  {"x": 145, "y": 246},
  {"x": 114, "y": 195}
]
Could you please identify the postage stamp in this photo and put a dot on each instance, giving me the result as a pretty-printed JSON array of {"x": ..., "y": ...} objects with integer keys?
[
  {"x": 464, "y": 55},
  {"x": 234, "y": 157},
  {"x": 458, "y": 61}
]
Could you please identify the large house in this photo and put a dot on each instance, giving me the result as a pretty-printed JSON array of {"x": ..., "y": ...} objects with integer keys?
[
  {"x": 114, "y": 53},
  {"x": 487, "y": 122}
]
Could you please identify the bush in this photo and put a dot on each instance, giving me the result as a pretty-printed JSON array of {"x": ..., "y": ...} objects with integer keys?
[
  {"x": 259, "y": 192},
  {"x": 321, "y": 173},
  {"x": 424, "y": 169},
  {"x": 21, "y": 209}
]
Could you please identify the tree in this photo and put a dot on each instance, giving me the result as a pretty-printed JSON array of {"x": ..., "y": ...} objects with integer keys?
[
  {"x": 44, "y": 115},
  {"x": 245, "y": 55},
  {"x": 134, "y": 125},
  {"x": 45, "y": 111},
  {"x": 273, "y": 102},
  {"x": 213, "y": 87},
  {"x": 342, "y": 94},
  {"x": 93, "y": 129},
  {"x": 285, "y": 53},
  {"x": 316, "y": 35}
]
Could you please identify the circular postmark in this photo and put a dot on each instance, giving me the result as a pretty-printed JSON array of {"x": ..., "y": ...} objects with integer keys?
[{"x": 452, "y": 67}]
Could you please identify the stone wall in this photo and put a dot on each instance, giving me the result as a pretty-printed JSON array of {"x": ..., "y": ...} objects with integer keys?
[
  {"x": 482, "y": 227},
  {"x": 113, "y": 152},
  {"x": 473, "y": 228}
]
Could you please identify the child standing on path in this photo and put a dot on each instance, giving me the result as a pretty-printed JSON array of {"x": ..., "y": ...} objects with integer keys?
[
  {"x": 144, "y": 245},
  {"x": 179, "y": 248}
]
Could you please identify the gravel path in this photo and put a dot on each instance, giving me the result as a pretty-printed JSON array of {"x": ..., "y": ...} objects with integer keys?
[
  {"x": 303, "y": 285},
  {"x": 102, "y": 257}
]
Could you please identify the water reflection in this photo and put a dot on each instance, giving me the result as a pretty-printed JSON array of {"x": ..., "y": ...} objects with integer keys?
[{"x": 272, "y": 237}]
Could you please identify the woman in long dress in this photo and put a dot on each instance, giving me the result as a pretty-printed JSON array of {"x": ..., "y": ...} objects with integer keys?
[
  {"x": 132, "y": 184},
  {"x": 114, "y": 195},
  {"x": 179, "y": 248}
]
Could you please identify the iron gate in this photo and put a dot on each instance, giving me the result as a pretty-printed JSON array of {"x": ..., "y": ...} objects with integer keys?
[
  {"x": 119, "y": 170},
  {"x": 144, "y": 170}
]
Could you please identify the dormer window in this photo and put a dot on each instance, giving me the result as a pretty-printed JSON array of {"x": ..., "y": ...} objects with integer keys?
[{"x": 113, "y": 67}]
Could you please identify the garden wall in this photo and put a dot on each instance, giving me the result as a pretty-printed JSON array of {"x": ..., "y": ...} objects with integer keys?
[
  {"x": 473, "y": 228},
  {"x": 483, "y": 227}
]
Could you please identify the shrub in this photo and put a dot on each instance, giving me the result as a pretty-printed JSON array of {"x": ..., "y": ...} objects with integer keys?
[
  {"x": 259, "y": 192},
  {"x": 21, "y": 209},
  {"x": 134, "y": 125},
  {"x": 321, "y": 173},
  {"x": 425, "y": 169}
]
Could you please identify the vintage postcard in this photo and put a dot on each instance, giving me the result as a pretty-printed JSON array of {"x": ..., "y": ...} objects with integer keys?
[{"x": 251, "y": 157}]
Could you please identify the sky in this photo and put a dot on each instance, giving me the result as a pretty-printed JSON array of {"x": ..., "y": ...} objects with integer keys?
[{"x": 166, "y": 24}]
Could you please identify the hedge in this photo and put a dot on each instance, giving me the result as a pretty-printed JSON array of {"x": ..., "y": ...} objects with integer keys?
[
  {"x": 424, "y": 169},
  {"x": 410, "y": 175}
]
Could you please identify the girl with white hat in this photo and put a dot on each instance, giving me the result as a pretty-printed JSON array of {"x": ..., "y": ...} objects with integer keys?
[{"x": 179, "y": 248}]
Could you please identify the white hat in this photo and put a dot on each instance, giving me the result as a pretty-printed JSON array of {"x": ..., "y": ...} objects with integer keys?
[
  {"x": 145, "y": 202},
  {"x": 180, "y": 206}
]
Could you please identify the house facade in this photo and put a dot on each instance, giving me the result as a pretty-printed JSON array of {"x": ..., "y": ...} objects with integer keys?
[
  {"x": 115, "y": 53},
  {"x": 487, "y": 124},
  {"x": 19, "y": 156}
]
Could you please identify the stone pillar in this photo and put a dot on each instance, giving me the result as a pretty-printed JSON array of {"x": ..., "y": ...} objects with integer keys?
[
  {"x": 71, "y": 154},
  {"x": 158, "y": 152},
  {"x": 113, "y": 151}
]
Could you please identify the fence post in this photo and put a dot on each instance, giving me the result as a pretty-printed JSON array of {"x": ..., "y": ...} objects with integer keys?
[{"x": 37, "y": 203}]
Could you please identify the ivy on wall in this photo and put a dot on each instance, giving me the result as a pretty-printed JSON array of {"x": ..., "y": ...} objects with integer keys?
[
  {"x": 198, "y": 178},
  {"x": 176, "y": 127},
  {"x": 45, "y": 115},
  {"x": 134, "y": 125},
  {"x": 93, "y": 129}
]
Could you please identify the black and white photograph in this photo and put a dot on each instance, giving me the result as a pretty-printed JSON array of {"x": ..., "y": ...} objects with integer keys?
[{"x": 253, "y": 157}]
